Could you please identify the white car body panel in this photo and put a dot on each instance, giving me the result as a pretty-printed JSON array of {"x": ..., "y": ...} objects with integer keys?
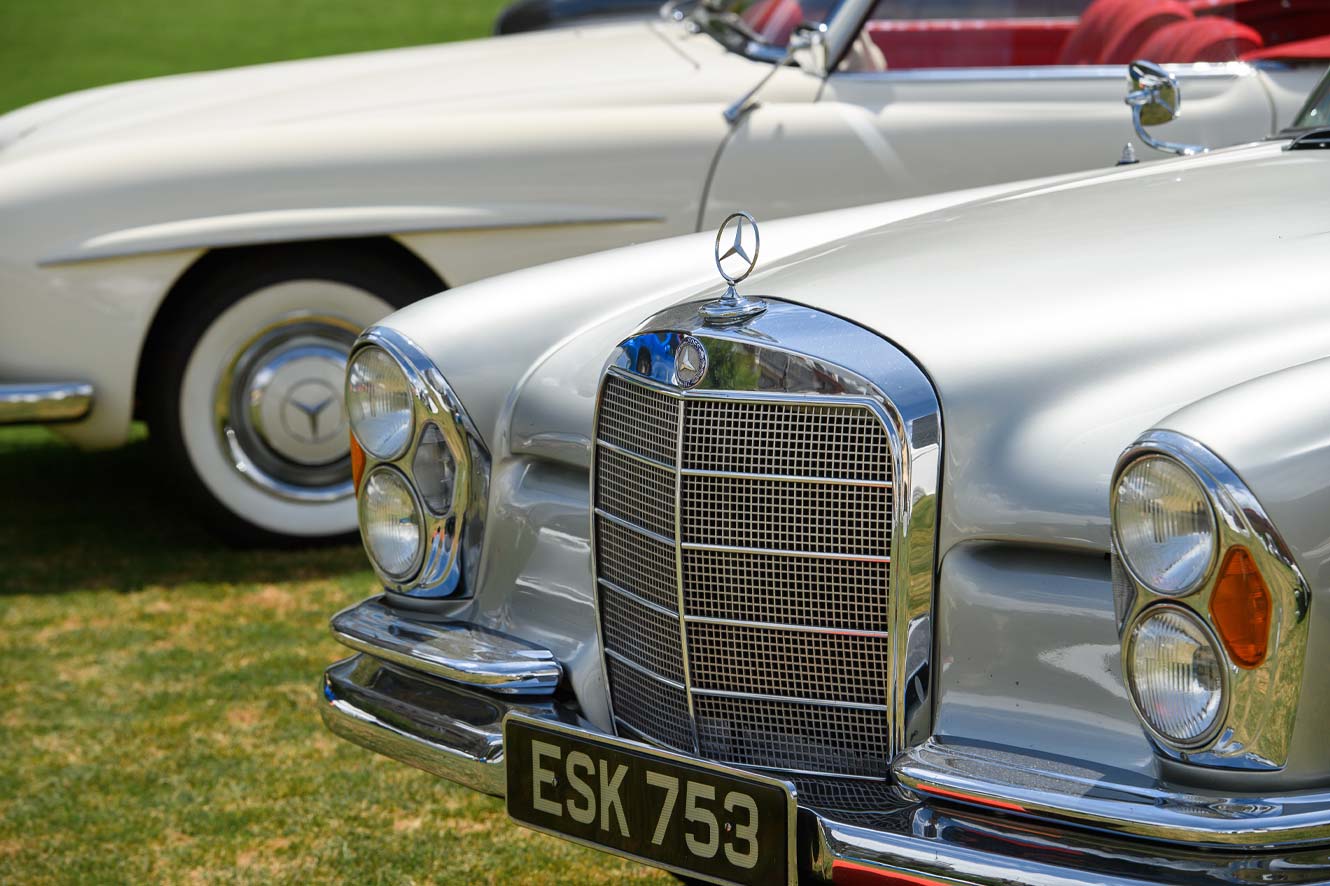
[{"x": 484, "y": 157}]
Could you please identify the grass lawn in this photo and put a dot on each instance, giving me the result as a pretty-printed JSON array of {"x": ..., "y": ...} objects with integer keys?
[{"x": 160, "y": 721}]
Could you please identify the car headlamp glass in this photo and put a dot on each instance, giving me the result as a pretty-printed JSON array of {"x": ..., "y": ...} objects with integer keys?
[
  {"x": 1164, "y": 525},
  {"x": 435, "y": 470},
  {"x": 391, "y": 523},
  {"x": 1176, "y": 675},
  {"x": 379, "y": 401}
]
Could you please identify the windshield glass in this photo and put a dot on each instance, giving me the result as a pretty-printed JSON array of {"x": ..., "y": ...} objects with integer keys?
[
  {"x": 760, "y": 28},
  {"x": 903, "y": 35},
  {"x": 1316, "y": 113}
]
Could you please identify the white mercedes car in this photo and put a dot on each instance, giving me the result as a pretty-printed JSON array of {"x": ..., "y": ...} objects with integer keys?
[{"x": 202, "y": 250}]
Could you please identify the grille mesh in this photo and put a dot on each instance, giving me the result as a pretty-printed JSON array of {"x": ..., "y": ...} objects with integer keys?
[
  {"x": 807, "y": 591},
  {"x": 789, "y": 735},
  {"x": 815, "y": 517},
  {"x": 642, "y": 635},
  {"x": 640, "y": 565},
  {"x": 822, "y": 487},
  {"x": 844, "y": 442},
  {"x": 640, "y": 493},
  {"x": 798, "y": 664}
]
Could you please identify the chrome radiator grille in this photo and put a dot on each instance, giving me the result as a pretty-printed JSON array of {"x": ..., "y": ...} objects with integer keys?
[{"x": 743, "y": 564}]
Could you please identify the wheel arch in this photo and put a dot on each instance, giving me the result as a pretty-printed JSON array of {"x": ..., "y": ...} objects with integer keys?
[{"x": 177, "y": 302}]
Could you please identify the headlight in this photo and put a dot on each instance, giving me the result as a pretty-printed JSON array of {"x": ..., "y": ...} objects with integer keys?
[
  {"x": 391, "y": 523},
  {"x": 424, "y": 495},
  {"x": 1176, "y": 675},
  {"x": 435, "y": 470},
  {"x": 1164, "y": 526},
  {"x": 379, "y": 402}
]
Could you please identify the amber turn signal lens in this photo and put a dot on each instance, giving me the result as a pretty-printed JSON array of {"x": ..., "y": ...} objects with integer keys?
[
  {"x": 1240, "y": 608},
  {"x": 357, "y": 463}
]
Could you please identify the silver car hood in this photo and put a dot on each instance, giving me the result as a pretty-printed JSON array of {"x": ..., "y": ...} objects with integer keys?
[
  {"x": 1057, "y": 322},
  {"x": 622, "y": 64}
]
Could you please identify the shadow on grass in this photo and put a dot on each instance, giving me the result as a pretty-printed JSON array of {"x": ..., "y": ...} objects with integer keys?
[{"x": 72, "y": 520}]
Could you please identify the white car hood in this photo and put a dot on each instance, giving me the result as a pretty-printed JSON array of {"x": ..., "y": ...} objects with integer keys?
[
  {"x": 1057, "y": 322},
  {"x": 632, "y": 63}
]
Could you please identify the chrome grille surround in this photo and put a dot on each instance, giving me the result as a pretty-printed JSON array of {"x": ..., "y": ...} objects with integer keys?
[{"x": 801, "y": 544}]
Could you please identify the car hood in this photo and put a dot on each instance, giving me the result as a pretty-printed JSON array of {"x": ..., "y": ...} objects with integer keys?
[
  {"x": 1057, "y": 322},
  {"x": 631, "y": 63}
]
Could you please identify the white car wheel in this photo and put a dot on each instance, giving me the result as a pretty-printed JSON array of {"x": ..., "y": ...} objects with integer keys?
[
  {"x": 242, "y": 385},
  {"x": 261, "y": 406}
]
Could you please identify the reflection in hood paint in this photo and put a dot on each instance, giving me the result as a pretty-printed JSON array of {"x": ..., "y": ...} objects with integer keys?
[{"x": 631, "y": 64}]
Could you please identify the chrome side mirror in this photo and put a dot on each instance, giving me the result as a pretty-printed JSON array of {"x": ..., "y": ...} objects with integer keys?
[{"x": 1155, "y": 97}]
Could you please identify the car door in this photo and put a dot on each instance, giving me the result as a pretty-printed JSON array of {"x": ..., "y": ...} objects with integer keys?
[{"x": 972, "y": 98}]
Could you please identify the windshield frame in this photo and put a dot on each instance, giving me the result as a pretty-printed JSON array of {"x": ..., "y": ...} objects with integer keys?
[
  {"x": 709, "y": 17},
  {"x": 1317, "y": 100}
]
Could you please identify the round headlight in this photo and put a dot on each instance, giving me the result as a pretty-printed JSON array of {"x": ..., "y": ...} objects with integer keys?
[
  {"x": 435, "y": 470},
  {"x": 391, "y": 523},
  {"x": 379, "y": 401},
  {"x": 1176, "y": 675},
  {"x": 1164, "y": 526}
]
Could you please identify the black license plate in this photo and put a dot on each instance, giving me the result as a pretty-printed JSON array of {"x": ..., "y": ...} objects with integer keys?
[{"x": 686, "y": 815}]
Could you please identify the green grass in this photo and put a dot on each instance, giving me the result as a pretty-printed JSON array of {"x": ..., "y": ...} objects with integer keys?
[
  {"x": 160, "y": 719},
  {"x": 48, "y": 47}
]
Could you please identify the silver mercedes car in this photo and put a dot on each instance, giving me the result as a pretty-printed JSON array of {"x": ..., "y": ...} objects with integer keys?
[{"x": 971, "y": 539}]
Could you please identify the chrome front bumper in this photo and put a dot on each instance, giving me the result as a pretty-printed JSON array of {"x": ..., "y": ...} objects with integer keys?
[
  {"x": 44, "y": 402},
  {"x": 440, "y": 721}
]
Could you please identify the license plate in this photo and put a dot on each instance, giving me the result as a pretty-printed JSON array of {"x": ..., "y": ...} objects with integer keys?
[{"x": 688, "y": 816}]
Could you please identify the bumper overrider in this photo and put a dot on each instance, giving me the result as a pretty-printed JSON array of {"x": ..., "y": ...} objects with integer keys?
[{"x": 435, "y": 696}]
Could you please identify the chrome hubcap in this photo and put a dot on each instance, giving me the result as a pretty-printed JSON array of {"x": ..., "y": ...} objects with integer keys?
[{"x": 280, "y": 415}]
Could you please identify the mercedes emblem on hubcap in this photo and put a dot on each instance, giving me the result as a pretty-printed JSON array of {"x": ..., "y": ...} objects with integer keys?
[
  {"x": 690, "y": 362},
  {"x": 311, "y": 412}
]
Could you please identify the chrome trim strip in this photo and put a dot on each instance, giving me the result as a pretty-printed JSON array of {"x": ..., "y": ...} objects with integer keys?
[
  {"x": 761, "y": 696},
  {"x": 779, "y": 626},
  {"x": 642, "y": 601},
  {"x": 459, "y": 652},
  {"x": 647, "y": 533},
  {"x": 44, "y": 402},
  {"x": 813, "y": 773},
  {"x": 635, "y": 456},
  {"x": 1200, "y": 71},
  {"x": 678, "y": 575},
  {"x": 1256, "y": 730},
  {"x": 783, "y": 552},
  {"x": 1113, "y": 801},
  {"x": 644, "y": 670},
  {"x": 785, "y": 478}
]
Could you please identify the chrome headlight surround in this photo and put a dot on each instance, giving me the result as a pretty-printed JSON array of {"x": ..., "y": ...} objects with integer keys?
[
  {"x": 1256, "y": 722},
  {"x": 453, "y": 534}
]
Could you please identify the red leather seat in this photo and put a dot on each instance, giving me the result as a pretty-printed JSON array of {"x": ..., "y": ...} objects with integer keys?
[
  {"x": 1207, "y": 39},
  {"x": 1111, "y": 32},
  {"x": 775, "y": 20}
]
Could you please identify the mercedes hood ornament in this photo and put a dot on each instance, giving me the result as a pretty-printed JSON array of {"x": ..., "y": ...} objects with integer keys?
[{"x": 737, "y": 245}]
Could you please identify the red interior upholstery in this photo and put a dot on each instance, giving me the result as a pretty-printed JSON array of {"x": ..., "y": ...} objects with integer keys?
[
  {"x": 1315, "y": 49},
  {"x": 1110, "y": 31},
  {"x": 775, "y": 20},
  {"x": 1202, "y": 40},
  {"x": 969, "y": 43},
  {"x": 1277, "y": 21}
]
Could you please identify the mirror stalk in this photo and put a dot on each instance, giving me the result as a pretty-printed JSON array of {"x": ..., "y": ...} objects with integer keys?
[{"x": 806, "y": 38}]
